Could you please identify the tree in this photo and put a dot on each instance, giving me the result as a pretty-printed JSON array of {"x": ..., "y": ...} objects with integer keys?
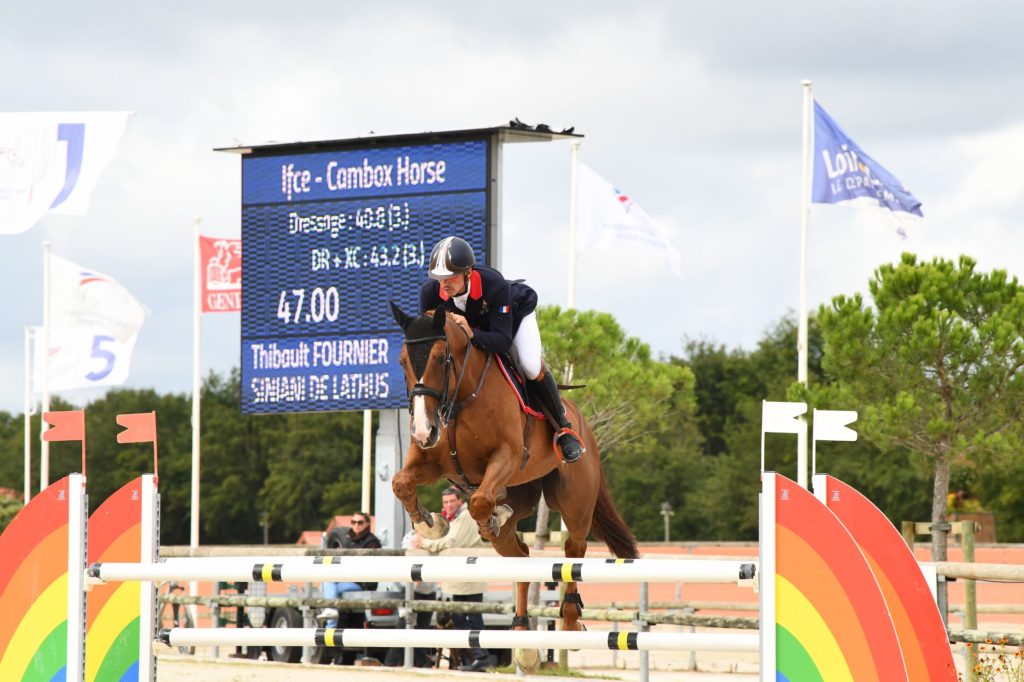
[
  {"x": 641, "y": 410},
  {"x": 935, "y": 367}
]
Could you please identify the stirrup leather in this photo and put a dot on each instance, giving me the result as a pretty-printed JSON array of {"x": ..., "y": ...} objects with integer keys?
[{"x": 558, "y": 448}]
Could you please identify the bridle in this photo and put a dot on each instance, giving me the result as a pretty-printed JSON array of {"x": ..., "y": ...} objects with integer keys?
[{"x": 446, "y": 400}]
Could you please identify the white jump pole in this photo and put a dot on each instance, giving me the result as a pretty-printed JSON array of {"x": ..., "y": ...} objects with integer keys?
[
  {"x": 429, "y": 569},
  {"x": 488, "y": 639}
]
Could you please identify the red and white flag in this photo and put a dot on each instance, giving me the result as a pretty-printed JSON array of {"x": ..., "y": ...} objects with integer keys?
[{"x": 220, "y": 261}]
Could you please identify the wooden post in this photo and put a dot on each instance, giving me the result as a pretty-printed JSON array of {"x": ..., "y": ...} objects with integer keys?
[{"x": 967, "y": 529}]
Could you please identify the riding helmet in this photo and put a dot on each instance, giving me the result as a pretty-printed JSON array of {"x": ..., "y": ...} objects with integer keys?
[{"x": 451, "y": 256}]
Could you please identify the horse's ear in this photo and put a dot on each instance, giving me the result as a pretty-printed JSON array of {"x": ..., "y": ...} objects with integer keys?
[
  {"x": 401, "y": 318},
  {"x": 439, "y": 319}
]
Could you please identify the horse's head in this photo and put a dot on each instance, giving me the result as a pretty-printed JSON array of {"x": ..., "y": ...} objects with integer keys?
[{"x": 427, "y": 360}]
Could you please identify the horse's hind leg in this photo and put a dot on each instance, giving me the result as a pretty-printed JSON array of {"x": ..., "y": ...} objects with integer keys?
[
  {"x": 418, "y": 470},
  {"x": 572, "y": 604},
  {"x": 577, "y": 516}
]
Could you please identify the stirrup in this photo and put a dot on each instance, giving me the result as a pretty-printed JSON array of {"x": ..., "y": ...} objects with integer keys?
[{"x": 558, "y": 448}]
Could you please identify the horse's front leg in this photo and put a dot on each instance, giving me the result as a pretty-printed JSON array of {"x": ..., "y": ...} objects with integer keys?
[
  {"x": 500, "y": 467},
  {"x": 419, "y": 469}
]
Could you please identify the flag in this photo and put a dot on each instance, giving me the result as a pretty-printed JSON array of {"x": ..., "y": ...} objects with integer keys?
[
  {"x": 609, "y": 219},
  {"x": 51, "y": 162},
  {"x": 782, "y": 417},
  {"x": 94, "y": 323},
  {"x": 832, "y": 425},
  {"x": 138, "y": 428},
  {"x": 65, "y": 425},
  {"x": 843, "y": 171},
  {"x": 220, "y": 262}
]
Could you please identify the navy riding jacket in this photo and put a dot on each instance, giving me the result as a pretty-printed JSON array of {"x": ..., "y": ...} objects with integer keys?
[{"x": 494, "y": 308}]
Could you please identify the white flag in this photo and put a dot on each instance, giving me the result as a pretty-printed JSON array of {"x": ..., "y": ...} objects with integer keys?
[
  {"x": 777, "y": 417},
  {"x": 51, "y": 161},
  {"x": 832, "y": 425},
  {"x": 94, "y": 322},
  {"x": 608, "y": 219}
]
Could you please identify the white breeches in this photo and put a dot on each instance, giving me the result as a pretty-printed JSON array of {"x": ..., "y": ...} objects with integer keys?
[{"x": 526, "y": 348}]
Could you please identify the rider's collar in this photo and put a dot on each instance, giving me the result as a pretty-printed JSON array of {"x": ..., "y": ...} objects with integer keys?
[{"x": 476, "y": 287}]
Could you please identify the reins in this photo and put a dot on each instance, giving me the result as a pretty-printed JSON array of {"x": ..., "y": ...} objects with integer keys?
[{"x": 449, "y": 406}]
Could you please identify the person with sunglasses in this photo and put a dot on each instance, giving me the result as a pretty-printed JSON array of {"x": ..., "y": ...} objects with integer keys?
[{"x": 358, "y": 536}]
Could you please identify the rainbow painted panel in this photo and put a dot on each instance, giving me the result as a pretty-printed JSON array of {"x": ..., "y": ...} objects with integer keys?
[
  {"x": 112, "y": 621},
  {"x": 34, "y": 589},
  {"x": 831, "y": 620},
  {"x": 914, "y": 612}
]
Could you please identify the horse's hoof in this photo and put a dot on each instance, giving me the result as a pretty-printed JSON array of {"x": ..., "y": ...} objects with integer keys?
[
  {"x": 504, "y": 513},
  {"x": 438, "y": 530},
  {"x": 527, "y": 660}
]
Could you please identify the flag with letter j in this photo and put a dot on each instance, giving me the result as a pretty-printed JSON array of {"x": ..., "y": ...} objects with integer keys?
[{"x": 844, "y": 172}]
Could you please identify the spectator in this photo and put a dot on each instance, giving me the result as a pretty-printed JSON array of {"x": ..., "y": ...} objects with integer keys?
[
  {"x": 358, "y": 537},
  {"x": 463, "y": 533}
]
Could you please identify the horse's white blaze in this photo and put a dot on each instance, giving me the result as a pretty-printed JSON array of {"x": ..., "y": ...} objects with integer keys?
[{"x": 420, "y": 423}]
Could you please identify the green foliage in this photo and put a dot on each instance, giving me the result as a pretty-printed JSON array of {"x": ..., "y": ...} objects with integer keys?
[
  {"x": 935, "y": 362},
  {"x": 642, "y": 411},
  {"x": 934, "y": 367},
  {"x": 9, "y": 508}
]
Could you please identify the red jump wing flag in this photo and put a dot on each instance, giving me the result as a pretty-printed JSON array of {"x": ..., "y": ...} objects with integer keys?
[
  {"x": 138, "y": 428},
  {"x": 65, "y": 425}
]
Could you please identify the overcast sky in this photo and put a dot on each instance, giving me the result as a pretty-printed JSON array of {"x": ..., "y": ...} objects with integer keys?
[{"x": 693, "y": 109}]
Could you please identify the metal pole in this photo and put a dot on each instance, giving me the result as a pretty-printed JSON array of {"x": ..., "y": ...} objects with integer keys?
[
  {"x": 29, "y": 411},
  {"x": 410, "y": 622},
  {"x": 571, "y": 298},
  {"x": 805, "y": 211},
  {"x": 197, "y": 384},
  {"x": 367, "y": 459},
  {"x": 44, "y": 445},
  {"x": 641, "y": 626}
]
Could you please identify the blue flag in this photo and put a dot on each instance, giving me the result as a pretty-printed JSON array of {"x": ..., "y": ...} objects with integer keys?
[{"x": 842, "y": 171}]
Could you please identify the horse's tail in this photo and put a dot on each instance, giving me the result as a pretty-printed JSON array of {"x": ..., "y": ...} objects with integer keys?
[{"x": 607, "y": 525}]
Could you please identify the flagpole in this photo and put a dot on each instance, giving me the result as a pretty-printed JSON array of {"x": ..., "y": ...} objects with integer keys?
[
  {"x": 805, "y": 211},
  {"x": 29, "y": 405},
  {"x": 197, "y": 312},
  {"x": 44, "y": 445},
  {"x": 571, "y": 298}
]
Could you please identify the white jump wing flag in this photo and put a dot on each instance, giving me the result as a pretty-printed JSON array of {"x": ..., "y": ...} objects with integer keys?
[
  {"x": 608, "y": 219},
  {"x": 51, "y": 161},
  {"x": 94, "y": 323},
  {"x": 782, "y": 417},
  {"x": 832, "y": 425}
]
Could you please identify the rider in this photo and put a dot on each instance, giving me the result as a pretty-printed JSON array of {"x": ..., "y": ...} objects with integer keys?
[{"x": 499, "y": 317}]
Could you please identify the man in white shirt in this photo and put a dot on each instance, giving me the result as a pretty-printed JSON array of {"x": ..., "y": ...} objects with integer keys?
[{"x": 463, "y": 533}]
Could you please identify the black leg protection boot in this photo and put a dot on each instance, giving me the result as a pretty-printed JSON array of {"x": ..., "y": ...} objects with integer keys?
[{"x": 566, "y": 440}]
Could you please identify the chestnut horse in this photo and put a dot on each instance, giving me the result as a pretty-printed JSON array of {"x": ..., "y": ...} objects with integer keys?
[{"x": 468, "y": 426}]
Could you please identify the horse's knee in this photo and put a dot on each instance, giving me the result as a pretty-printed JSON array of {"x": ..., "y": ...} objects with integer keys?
[
  {"x": 481, "y": 505},
  {"x": 403, "y": 485}
]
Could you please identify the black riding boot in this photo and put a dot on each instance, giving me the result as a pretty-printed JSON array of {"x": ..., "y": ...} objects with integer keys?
[{"x": 566, "y": 439}]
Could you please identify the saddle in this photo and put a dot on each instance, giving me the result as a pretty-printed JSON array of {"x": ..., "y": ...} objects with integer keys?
[{"x": 528, "y": 402}]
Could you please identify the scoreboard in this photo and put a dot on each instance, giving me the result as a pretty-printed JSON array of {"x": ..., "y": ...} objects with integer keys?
[{"x": 331, "y": 236}]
